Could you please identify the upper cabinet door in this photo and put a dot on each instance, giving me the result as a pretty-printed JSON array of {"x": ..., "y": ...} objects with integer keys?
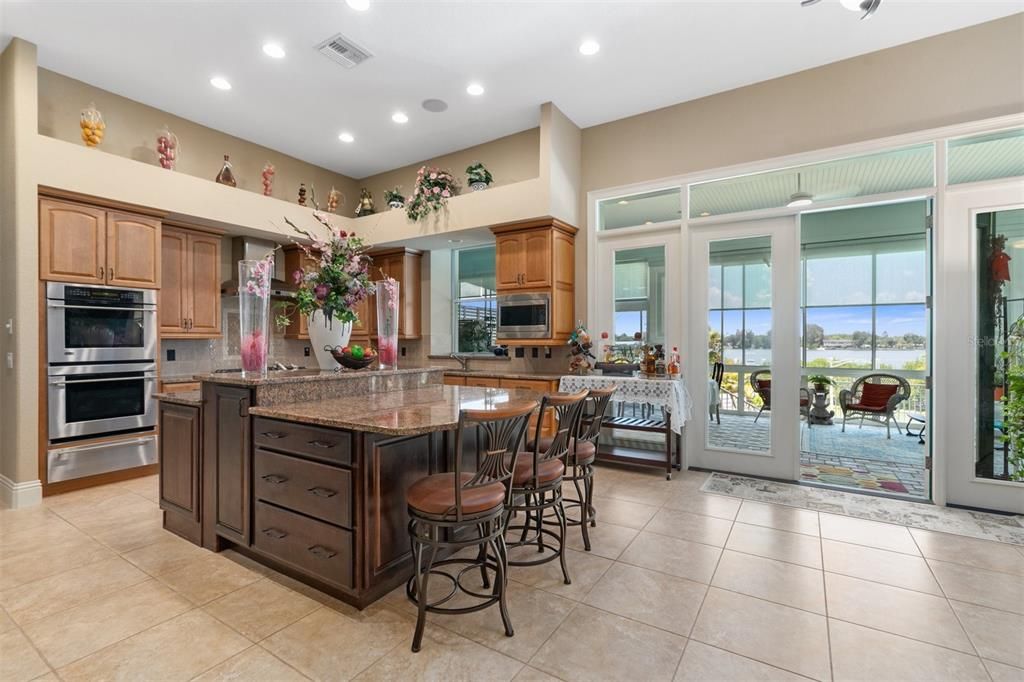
[
  {"x": 537, "y": 252},
  {"x": 510, "y": 256},
  {"x": 71, "y": 242},
  {"x": 172, "y": 304},
  {"x": 204, "y": 284},
  {"x": 133, "y": 245}
]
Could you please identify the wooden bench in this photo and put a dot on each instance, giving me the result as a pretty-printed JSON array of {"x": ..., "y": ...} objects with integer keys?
[{"x": 626, "y": 455}]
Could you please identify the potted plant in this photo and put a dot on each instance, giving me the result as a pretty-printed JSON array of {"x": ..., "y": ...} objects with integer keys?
[
  {"x": 328, "y": 294},
  {"x": 819, "y": 381},
  {"x": 434, "y": 187},
  {"x": 394, "y": 198},
  {"x": 478, "y": 177}
]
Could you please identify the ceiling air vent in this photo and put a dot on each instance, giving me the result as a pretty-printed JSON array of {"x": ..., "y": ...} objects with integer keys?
[{"x": 344, "y": 51}]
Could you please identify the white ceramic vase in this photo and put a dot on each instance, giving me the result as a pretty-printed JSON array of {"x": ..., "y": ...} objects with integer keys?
[{"x": 324, "y": 335}]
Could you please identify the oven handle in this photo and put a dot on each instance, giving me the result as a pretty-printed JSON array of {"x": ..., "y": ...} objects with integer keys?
[
  {"x": 101, "y": 307},
  {"x": 85, "y": 448},
  {"x": 63, "y": 383}
]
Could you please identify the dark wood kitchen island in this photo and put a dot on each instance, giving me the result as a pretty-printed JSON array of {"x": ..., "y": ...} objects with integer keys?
[{"x": 308, "y": 475}]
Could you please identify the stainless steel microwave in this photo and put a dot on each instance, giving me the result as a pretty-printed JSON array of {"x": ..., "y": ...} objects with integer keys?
[{"x": 524, "y": 316}]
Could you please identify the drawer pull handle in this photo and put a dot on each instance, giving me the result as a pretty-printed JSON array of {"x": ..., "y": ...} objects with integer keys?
[
  {"x": 274, "y": 533},
  {"x": 275, "y": 435},
  {"x": 322, "y": 444},
  {"x": 322, "y": 492},
  {"x": 322, "y": 552},
  {"x": 276, "y": 479}
]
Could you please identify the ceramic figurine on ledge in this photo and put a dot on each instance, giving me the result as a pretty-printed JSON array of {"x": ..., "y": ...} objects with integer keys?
[
  {"x": 365, "y": 206},
  {"x": 302, "y": 194},
  {"x": 580, "y": 350},
  {"x": 92, "y": 125},
  {"x": 332, "y": 200},
  {"x": 226, "y": 176},
  {"x": 267, "y": 176}
]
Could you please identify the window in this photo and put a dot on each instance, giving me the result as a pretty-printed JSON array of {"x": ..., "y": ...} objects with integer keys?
[
  {"x": 640, "y": 209},
  {"x": 474, "y": 299},
  {"x": 986, "y": 157},
  {"x": 640, "y": 294},
  {"x": 739, "y": 301}
]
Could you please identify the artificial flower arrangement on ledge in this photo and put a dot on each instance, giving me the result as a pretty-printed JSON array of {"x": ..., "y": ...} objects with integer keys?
[
  {"x": 478, "y": 177},
  {"x": 434, "y": 187},
  {"x": 329, "y": 295},
  {"x": 394, "y": 198}
]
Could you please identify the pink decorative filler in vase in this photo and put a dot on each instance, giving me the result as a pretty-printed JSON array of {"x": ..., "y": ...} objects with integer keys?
[
  {"x": 254, "y": 314},
  {"x": 387, "y": 323}
]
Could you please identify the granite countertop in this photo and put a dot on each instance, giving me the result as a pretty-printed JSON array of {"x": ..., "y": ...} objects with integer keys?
[
  {"x": 177, "y": 378},
  {"x": 398, "y": 413},
  {"x": 296, "y": 376},
  {"x": 503, "y": 374},
  {"x": 193, "y": 398}
]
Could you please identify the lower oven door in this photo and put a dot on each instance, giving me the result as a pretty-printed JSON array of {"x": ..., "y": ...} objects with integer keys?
[
  {"x": 76, "y": 461},
  {"x": 100, "y": 400}
]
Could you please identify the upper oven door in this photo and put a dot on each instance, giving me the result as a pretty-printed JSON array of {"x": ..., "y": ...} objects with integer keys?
[
  {"x": 99, "y": 324},
  {"x": 524, "y": 316},
  {"x": 89, "y": 400}
]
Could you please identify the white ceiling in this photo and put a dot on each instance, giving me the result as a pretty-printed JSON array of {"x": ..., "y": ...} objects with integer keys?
[{"x": 653, "y": 54}]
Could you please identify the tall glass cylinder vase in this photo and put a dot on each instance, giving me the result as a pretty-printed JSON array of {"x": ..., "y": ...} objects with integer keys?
[
  {"x": 254, "y": 315},
  {"x": 387, "y": 323}
]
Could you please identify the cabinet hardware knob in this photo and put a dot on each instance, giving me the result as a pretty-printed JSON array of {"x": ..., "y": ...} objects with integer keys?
[
  {"x": 184, "y": 323},
  {"x": 276, "y": 479},
  {"x": 111, "y": 273},
  {"x": 101, "y": 273},
  {"x": 273, "y": 434},
  {"x": 243, "y": 408},
  {"x": 274, "y": 533},
  {"x": 322, "y": 552},
  {"x": 322, "y": 492},
  {"x": 322, "y": 444}
]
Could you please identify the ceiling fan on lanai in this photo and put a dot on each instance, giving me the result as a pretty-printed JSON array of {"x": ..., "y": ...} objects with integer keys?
[{"x": 867, "y": 6}]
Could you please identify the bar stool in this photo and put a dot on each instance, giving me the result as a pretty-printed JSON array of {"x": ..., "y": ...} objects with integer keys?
[
  {"x": 537, "y": 482},
  {"x": 449, "y": 512},
  {"x": 580, "y": 461}
]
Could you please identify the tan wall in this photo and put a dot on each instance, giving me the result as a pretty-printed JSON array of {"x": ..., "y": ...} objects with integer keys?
[
  {"x": 509, "y": 159},
  {"x": 561, "y": 148},
  {"x": 131, "y": 132}
]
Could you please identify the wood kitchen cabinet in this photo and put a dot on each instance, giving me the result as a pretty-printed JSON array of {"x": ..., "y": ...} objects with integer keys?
[
  {"x": 227, "y": 475},
  {"x": 180, "y": 469},
  {"x": 189, "y": 300},
  {"x": 92, "y": 245},
  {"x": 404, "y": 265},
  {"x": 296, "y": 259}
]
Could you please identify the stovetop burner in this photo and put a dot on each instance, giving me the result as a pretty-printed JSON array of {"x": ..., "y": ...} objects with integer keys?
[{"x": 276, "y": 367}]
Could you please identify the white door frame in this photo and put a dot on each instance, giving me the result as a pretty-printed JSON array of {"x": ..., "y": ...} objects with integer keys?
[
  {"x": 956, "y": 378},
  {"x": 782, "y": 461}
]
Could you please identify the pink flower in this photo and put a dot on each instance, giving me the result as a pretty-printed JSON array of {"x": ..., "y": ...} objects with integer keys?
[
  {"x": 321, "y": 291},
  {"x": 437, "y": 190},
  {"x": 297, "y": 276},
  {"x": 433, "y": 176},
  {"x": 446, "y": 194}
]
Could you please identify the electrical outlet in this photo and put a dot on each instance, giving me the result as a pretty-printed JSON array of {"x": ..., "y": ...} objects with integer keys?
[
  {"x": 547, "y": 353},
  {"x": 534, "y": 352},
  {"x": 403, "y": 351},
  {"x": 520, "y": 352},
  {"x": 170, "y": 355},
  {"x": 305, "y": 351}
]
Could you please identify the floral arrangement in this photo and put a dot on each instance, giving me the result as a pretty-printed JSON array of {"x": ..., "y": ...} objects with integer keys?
[
  {"x": 1013, "y": 415},
  {"x": 253, "y": 347},
  {"x": 387, "y": 321},
  {"x": 477, "y": 173},
  {"x": 394, "y": 198},
  {"x": 580, "y": 346},
  {"x": 433, "y": 189},
  {"x": 341, "y": 282}
]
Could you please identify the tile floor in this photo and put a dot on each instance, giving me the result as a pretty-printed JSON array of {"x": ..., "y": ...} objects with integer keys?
[{"x": 681, "y": 584}]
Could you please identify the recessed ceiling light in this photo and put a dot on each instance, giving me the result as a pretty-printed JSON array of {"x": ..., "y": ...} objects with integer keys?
[
  {"x": 475, "y": 89},
  {"x": 435, "y": 106},
  {"x": 456, "y": 241},
  {"x": 648, "y": 222},
  {"x": 358, "y": 5},
  {"x": 220, "y": 83},
  {"x": 399, "y": 117},
  {"x": 852, "y": 5},
  {"x": 273, "y": 50},
  {"x": 623, "y": 202},
  {"x": 346, "y": 137},
  {"x": 589, "y": 47},
  {"x": 1019, "y": 244},
  {"x": 704, "y": 214}
]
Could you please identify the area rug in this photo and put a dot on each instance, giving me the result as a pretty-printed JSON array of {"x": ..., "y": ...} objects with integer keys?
[{"x": 982, "y": 525}]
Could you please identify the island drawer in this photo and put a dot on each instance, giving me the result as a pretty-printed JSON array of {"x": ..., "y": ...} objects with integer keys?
[
  {"x": 314, "y": 547},
  {"x": 328, "y": 445},
  {"x": 303, "y": 485}
]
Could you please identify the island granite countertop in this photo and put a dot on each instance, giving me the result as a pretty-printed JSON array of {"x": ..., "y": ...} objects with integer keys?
[
  {"x": 504, "y": 374},
  {"x": 406, "y": 412},
  {"x": 190, "y": 398},
  {"x": 298, "y": 376}
]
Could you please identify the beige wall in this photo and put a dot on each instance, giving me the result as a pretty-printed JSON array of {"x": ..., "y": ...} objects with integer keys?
[
  {"x": 510, "y": 159},
  {"x": 131, "y": 132},
  {"x": 561, "y": 149}
]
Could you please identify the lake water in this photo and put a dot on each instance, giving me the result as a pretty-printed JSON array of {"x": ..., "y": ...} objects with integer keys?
[{"x": 892, "y": 358}]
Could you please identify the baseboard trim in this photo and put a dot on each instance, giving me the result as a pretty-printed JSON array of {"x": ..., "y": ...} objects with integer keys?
[{"x": 20, "y": 495}]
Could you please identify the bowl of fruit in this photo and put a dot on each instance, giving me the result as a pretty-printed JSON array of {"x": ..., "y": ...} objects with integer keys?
[{"x": 353, "y": 356}]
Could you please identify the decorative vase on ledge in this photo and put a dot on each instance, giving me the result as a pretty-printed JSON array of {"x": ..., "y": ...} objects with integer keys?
[
  {"x": 254, "y": 314},
  {"x": 387, "y": 323},
  {"x": 324, "y": 335}
]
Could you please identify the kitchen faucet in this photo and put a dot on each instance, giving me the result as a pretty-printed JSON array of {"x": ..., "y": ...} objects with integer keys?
[{"x": 461, "y": 359}]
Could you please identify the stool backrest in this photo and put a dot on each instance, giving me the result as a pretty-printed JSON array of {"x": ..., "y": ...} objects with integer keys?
[
  {"x": 568, "y": 409},
  {"x": 593, "y": 413}
]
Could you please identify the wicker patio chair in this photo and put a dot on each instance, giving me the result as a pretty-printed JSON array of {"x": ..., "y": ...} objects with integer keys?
[
  {"x": 761, "y": 382},
  {"x": 875, "y": 397}
]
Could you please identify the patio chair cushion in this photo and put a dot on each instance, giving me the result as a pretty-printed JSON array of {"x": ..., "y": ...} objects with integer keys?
[{"x": 875, "y": 397}]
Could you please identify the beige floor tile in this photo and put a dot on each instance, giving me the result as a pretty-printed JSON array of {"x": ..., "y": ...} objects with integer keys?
[
  {"x": 104, "y": 513},
  {"x": 261, "y": 609},
  {"x": 170, "y": 553},
  {"x": 686, "y": 526},
  {"x": 995, "y": 556},
  {"x": 1004, "y": 673},
  {"x": 36, "y": 600},
  {"x": 444, "y": 655},
  {"x": 20, "y": 541},
  {"x": 777, "y": 581},
  {"x": 702, "y": 663},
  {"x": 585, "y": 569},
  {"x": 85, "y": 500},
  {"x": 131, "y": 535},
  {"x": 206, "y": 579},
  {"x": 702, "y": 503},
  {"x": 778, "y": 635},
  {"x": 641, "y": 491},
  {"x": 860, "y": 654},
  {"x": 779, "y": 516},
  {"x": 595, "y": 645},
  {"x": 977, "y": 586},
  {"x": 326, "y": 645},
  {"x": 46, "y": 561},
  {"x": 622, "y": 512},
  {"x": 997, "y": 635},
  {"x": 896, "y": 610},
  {"x": 606, "y": 539},
  {"x": 879, "y": 565},
  {"x": 70, "y": 635},
  {"x": 796, "y": 548},
  {"x": 681, "y": 558},
  {"x": 176, "y": 649},
  {"x": 48, "y": 677},
  {"x": 147, "y": 486},
  {"x": 870, "y": 533},
  {"x": 18, "y": 520},
  {"x": 528, "y": 674},
  {"x": 650, "y": 597},
  {"x": 19, "y": 661},
  {"x": 255, "y": 664},
  {"x": 5, "y": 622}
]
